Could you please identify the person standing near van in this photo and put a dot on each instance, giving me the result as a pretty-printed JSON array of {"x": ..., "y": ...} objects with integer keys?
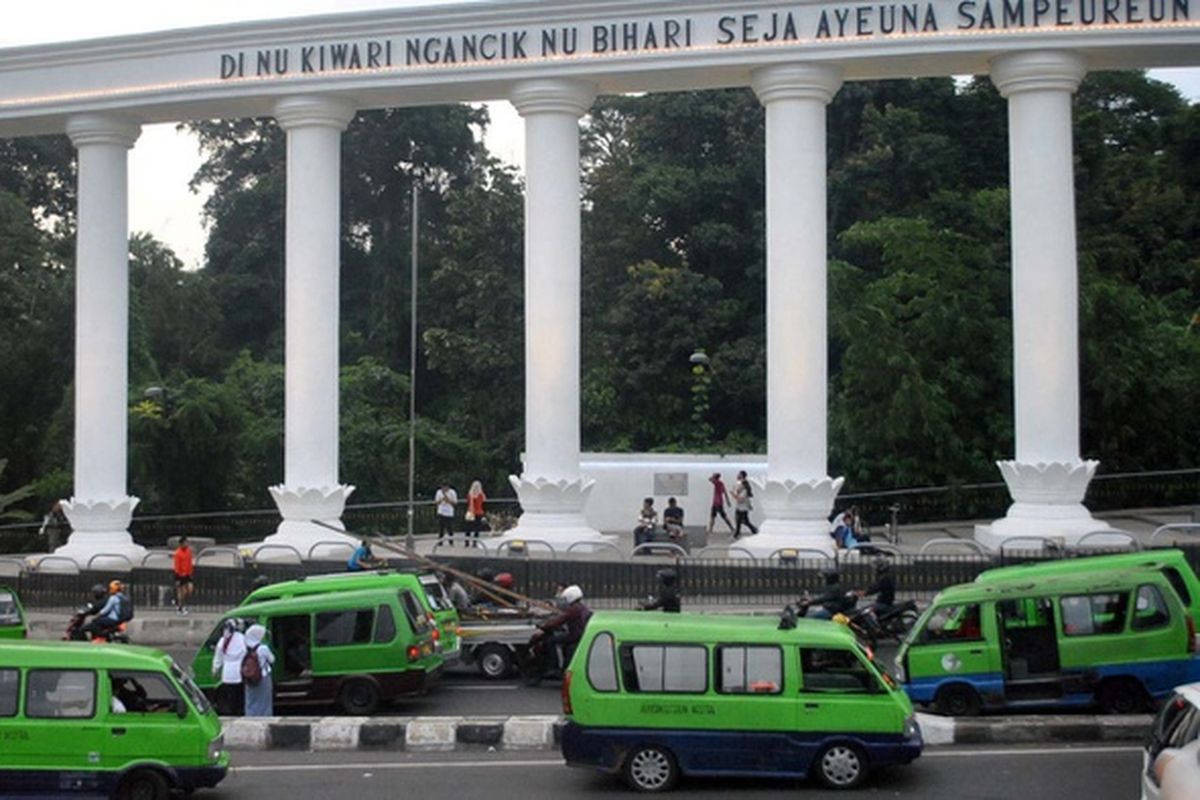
[
  {"x": 184, "y": 567},
  {"x": 742, "y": 505},
  {"x": 445, "y": 499},
  {"x": 720, "y": 498},
  {"x": 227, "y": 664},
  {"x": 474, "y": 516},
  {"x": 260, "y": 695}
]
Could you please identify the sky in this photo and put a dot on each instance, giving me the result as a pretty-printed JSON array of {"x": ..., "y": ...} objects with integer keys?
[{"x": 164, "y": 160}]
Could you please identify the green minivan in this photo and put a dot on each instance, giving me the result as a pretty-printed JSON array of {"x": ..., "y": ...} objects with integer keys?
[
  {"x": 1116, "y": 639},
  {"x": 12, "y": 616},
  {"x": 125, "y": 722},
  {"x": 657, "y": 696},
  {"x": 425, "y": 585},
  {"x": 356, "y": 649}
]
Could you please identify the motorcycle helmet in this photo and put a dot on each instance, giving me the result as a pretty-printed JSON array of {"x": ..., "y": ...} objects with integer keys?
[
  {"x": 882, "y": 566},
  {"x": 115, "y": 586},
  {"x": 666, "y": 577},
  {"x": 572, "y": 594},
  {"x": 504, "y": 580},
  {"x": 99, "y": 591},
  {"x": 831, "y": 575}
]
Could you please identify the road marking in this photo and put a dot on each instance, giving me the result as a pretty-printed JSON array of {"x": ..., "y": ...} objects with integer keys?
[
  {"x": 480, "y": 687},
  {"x": 1029, "y": 751},
  {"x": 374, "y": 765}
]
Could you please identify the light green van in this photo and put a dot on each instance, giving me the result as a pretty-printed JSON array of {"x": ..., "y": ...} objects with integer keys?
[
  {"x": 120, "y": 721},
  {"x": 12, "y": 616},
  {"x": 356, "y": 649},
  {"x": 657, "y": 696},
  {"x": 1118, "y": 639},
  {"x": 425, "y": 585}
]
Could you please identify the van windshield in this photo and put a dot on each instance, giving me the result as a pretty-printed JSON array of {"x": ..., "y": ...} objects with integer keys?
[
  {"x": 435, "y": 593},
  {"x": 190, "y": 688},
  {"x": 8, "y": 609}
]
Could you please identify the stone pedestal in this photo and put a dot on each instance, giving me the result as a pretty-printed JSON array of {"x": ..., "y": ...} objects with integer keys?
[
  {"x": 1047, "y": 502},
  {"x": 299, "y": 506}
]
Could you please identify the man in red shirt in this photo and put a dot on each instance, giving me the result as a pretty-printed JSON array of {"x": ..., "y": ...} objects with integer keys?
[
  {"x": 720, "y": 498},
  {"x": 184, "y": 568}
]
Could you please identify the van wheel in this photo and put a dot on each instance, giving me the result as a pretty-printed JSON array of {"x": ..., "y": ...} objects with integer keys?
[
  {"x": 144, "y": 784},
  {"x": 359, "y": 698},
  {"x": 1121, "y": 696},
  {"x": 495, "y": 661},
  {"x": 841, "y": 766},
  {"x": 651, "y": 769},
  {"x": 957, "y": 701}
]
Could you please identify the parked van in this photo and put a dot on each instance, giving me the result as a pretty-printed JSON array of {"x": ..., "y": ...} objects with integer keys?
[
  {"x": 356, "y": 649},
  {"x": 120, "y": 721},
  {"x": 1118, "y": 639},
  {"x": 425, "y": 585},
  {"x": 658, "y": 696},
  {"x": 1173, "y": 564},
  {"x": 12, "y": 616}
]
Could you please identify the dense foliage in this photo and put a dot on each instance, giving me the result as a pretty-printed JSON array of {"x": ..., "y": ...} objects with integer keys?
[{"x": 920, "y": 307}]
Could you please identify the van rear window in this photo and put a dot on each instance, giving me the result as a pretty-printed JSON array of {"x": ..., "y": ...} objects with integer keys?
[
  {"x": 601, "y": 664},
  {"x": 750, "y": 670},
  {"x": 1178, "y": 584},
  {"x": 10, "y": 679},
  {"x": 412, "y": 609},
  {"x": 60, "y": 694},
  {"x": 344, "y": 627},
  {"x": 665, "y": 668},
  {"x": 1094, "y": 614},
  {"x": 1150, "y": 609}
]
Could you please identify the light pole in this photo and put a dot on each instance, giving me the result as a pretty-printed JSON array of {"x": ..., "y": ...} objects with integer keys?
[
  {"x": 409, "y": 541},
  {"x": 702, "y": 430}
]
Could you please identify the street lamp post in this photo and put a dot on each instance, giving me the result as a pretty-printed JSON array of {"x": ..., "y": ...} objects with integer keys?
[{"x": 702, "y": 431}]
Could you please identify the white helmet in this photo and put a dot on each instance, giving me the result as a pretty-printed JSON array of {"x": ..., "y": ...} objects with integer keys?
[{"x": 572, "y": 594}]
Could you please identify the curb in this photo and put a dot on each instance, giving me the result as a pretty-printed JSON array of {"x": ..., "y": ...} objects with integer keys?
[{"x": 430, "y": 734}]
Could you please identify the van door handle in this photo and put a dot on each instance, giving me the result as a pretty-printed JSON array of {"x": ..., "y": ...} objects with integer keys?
[
  {"x": 812, "y": 705},
  {"x": 118, "y": 731},
  {"x": 975, "y": 652}
]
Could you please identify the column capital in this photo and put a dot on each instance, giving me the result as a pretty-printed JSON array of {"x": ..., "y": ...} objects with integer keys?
[
  {"x": 796, "y": 82},
  {"x": 1013, "y": 73},
  {"x": 320, "y": 111},
  {"x": 553, "y": 95},
  {"x": 85, "y": 129}
]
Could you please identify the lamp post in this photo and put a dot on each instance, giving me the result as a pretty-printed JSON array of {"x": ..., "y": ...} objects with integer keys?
[{"x": 702, "y": 431}]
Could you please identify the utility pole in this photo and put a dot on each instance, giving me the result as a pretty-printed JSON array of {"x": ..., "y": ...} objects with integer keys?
[{"x": 412, "y": 373}]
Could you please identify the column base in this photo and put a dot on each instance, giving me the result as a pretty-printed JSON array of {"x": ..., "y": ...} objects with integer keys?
[
  {"x": 100, "y": 528},
  {"x": 552, "y": 512},
  {"x": 796, "y": 515},
  {"x": 299, "y": 506},
  {"x": 1047, "y": 502}
]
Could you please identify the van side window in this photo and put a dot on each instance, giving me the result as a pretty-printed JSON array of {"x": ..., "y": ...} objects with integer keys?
[
  {"x": 826, "y": 670},
  {"x": 344, "y": 627},
  {"x": 750, "y": 670},
  {"x": 1150, "y": 609},
  {"x": 665, "y": 668},
  {"x": 142, "y": 692},
  {"x": 602, "y": 664},
  {"x": 8, "y": 610},
  {"x": 385, "y": 625},
  {"x": 953, "y": 624},
  {"x": 412, "y": 609},
  {"x": 60, "y": 694},
  {"x": 1178, "y": 584},
  {"x": 10, "y": 679},
  {"x": 1093, "y": 614}
]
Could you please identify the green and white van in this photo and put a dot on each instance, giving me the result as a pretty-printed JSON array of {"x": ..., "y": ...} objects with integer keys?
[
  {"x": 1117, "y": 639},
  {"x": 120, "y": 721},
  {"x": 658, "y": 696},
  {"x": 12, "y": 616},
  {"x": 356, "y": 649}
]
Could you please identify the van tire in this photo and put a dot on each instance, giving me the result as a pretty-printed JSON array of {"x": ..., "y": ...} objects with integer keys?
[
  {"x": 495, "y": 661},
  {"x": 841, "y": 765},
  {"x": 957, "y": 700},
  {"x": 358, "y": 697},
  {"x": 1121, "y": 696},
  {"x": 649, "y": 768},
  {"x": 144, "y": 784}
]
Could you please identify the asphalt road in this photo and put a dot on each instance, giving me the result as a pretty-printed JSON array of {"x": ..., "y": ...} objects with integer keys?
[{"x": 1036, "y": 773}]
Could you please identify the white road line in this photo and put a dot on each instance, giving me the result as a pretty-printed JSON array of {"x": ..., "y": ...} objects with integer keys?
[
  {"x": 481, "y": 687},
  {"x": 1029, "y": 751},
  {"x": 378, "y": 765}
]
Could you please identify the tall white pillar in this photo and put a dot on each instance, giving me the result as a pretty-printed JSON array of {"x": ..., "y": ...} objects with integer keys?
[
  {"x": 100, "y": 510},
  {"x": 551, "y": 488},
  {"x": 796, "y": 495},
  {"x": 311, "y": 490},
  {"x": 1047, "y": 480}
]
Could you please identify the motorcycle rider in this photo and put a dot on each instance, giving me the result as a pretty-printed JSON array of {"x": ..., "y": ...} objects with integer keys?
[
  {"x": 567, "y": 626},
  {"x": 99, "y": 597},
  {"x": 834, "y": 598},
  {"x": 668, "y": 596},
  {"x": 883, "y": 589},
  {"x": 117, "y": 609}
]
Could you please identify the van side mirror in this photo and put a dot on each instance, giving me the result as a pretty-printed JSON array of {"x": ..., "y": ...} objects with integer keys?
[{"x": 181, "y": 708}]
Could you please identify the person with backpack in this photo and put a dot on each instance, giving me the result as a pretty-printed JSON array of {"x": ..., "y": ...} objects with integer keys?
[
  {"x": 256, "y": 674},
  {"x": 742, "y": 504},
  {"x": 228, "y": 656},
  {"x": 117, "y": 608}
]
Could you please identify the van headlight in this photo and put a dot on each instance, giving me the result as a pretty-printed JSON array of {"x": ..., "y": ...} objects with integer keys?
[
  {"x": 911, "y": 729},
  {"x": 215, "y": 747}
]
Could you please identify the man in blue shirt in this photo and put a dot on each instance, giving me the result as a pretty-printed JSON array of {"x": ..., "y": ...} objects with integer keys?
[
  {"x": 363, "y": 559},
  {"x": 112, "y": 614}
]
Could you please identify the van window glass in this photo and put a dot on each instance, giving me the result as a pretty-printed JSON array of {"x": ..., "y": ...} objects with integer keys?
[
  {"x": 9, "y": 681},
  {"x": 601, "y": 664},
  {"x": 954, "y": 623},
  {"x": 750, "y": 670},
  {"x": 344, "y": 627},
  {"x": 385, "y": 625},
  {"x": 830, "y": 670},
  {"x": 141, "y": 692},
  {"x": 1093, "y": 614},
  {"x": 190, "y": 688},
  {"x": 412, "y": 609},
  {"x": 665, "y": 668},
  {"x": 1150, "y": 609},
  {"x": 1178, "y": 584},
  {"x": 435, "y": 593},
  {"x": 8, "y": 609},
  {"x": 60, "y": 694}
]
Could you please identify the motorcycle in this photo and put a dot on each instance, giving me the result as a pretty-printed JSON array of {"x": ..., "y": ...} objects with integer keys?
[
  {"x": 897, "y": 620},
  {"x": 544, "y": 657},
  {"x": 859, "y": 620},
  {"x": 75, "y": 632}
]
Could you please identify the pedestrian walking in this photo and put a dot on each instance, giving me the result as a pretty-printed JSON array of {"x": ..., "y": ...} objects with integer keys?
[
  {"x": 227, "y": 665},
  {"x": 445, "y": 499},
  {"x": 720, "y": 498},
  {"x": 742, "y": 504},
  {"x": 260, "y": 692},
  {"x": 474, "y": 516},
  {"x": 183, "y": 564}
]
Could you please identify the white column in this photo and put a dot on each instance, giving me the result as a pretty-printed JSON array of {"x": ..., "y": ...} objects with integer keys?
[
  {"x": 551, "y": 488},
  {"x": 1047, "y": 480},
  {"x": 100, "y": 510},
  {"x": 311, "y": 489},
  {"x": 796, "y": 495}
]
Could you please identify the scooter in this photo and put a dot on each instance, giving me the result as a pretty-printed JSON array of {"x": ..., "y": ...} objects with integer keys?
[
  {"x": 860, "y": 620},
  {"x": 75, "y": 632},
  {"x": 897, "y": 620}
]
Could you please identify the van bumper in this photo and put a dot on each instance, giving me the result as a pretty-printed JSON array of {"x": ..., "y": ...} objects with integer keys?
[{"x": 190, "y": 778}]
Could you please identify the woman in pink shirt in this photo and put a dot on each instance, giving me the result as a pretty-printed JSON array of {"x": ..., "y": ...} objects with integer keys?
[{"x": 475, "y": 516}]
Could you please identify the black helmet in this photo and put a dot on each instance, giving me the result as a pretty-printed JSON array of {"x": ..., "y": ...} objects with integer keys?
[
  {"x": 99, "y": 591},
  {"x": 882, "y": 566},
  {"x": 666, "y": 577},
  {"x": 831, "y": 575}
]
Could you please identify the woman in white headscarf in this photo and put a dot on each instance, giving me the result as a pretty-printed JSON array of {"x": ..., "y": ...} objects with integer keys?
[
  {"x": 227, "y": 665},
  {"x": 260, "y": 696}
]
